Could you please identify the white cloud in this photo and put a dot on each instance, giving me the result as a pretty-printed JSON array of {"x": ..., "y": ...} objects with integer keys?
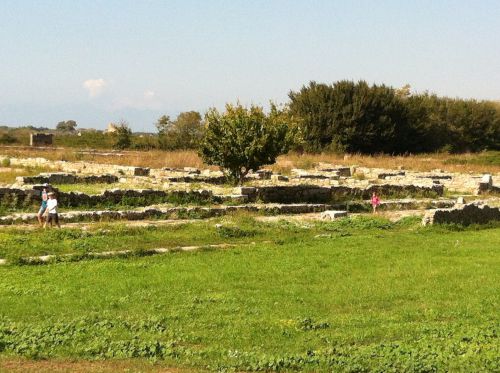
[{"x": 95, "y": 87}]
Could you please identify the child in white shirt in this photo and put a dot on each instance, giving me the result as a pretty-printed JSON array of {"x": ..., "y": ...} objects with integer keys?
[{"x": 52, "y": 216}]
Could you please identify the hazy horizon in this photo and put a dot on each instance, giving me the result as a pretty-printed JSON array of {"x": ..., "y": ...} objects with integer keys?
[{"x": 99, "y": 63}]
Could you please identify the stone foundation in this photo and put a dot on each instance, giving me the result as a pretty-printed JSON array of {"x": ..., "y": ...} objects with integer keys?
[
  {"x": 464, "y": 215},
  {"x": 319, "y": 194},
  {"x": 66, "y": 178}
]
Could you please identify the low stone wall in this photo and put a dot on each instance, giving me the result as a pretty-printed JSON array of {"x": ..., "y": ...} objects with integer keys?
[
  {"x": 66, "y": 178},
  {"x": 287, "y": 194},
  {"x": 465, "y": 215},
  {"x": 333, "y": 194},
  {"x": 16, "y": 197},
  {"x": 218, "y": 180},
  {"x": 139, "y": 197},
  {"x": 168, "y": 213}
]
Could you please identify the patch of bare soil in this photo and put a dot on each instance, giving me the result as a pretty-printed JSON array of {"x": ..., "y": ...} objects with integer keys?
[
  {"x": 80, "y": 366},
  {"x": 86, "y": 225},
  {"x": 391, "y": 215}
]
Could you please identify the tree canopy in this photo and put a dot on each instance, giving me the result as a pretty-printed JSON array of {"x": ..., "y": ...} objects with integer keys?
[
  {"x": 240, "y": 139},
  {"x": 68, "y": 125},
  {"x": 356, "y": 117},
  {"x": 183, "y": 133}
]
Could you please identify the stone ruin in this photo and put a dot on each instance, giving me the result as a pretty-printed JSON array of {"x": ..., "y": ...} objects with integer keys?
[
  {"x": 41, "y": 139},
  {"x": 333, "y": 190},
  {"x": 473, "y": 213}
]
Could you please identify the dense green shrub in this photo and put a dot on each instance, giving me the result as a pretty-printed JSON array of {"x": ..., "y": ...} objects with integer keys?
[
  {"x": 352, "y": 117},
  {"x": 357, "y": 117},
  {"x": 122, "y": 136},
  {"x": 241, "y": 139}
]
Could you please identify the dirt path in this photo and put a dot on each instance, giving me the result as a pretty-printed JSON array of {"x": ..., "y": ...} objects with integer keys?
[
  {"x": 87, "y": 224},
  {"x": 391, "y": 215},
  {"x": 80, "y": 366}
]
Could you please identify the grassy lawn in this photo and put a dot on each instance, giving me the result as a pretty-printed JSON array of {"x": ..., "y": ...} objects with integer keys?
[{"x": 353, "y": 295}]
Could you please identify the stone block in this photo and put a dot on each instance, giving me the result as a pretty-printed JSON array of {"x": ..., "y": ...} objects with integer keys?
[
  {"x": 192, "y": 170},
  {"x": 333, "y": 214},
  {"x": 264, "y": 174},
  {"x": 141, "y": 171},
  {"x": 487, "y": 179},
  {"x": 279, "y": 178},
  {"x": 247, "y": 191}
]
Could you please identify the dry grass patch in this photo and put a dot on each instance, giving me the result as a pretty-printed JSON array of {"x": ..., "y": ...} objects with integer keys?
[{"x": 468, "y": 162}]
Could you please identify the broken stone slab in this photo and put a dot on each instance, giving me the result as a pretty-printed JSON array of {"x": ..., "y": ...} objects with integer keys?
[{"x": 333, "y": 214}]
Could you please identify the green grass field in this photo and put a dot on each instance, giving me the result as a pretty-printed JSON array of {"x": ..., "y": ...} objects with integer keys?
[{"x": 352, "y": 295}]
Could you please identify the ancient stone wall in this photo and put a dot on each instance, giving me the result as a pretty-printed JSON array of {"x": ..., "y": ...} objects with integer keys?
[
  {"x": 65, "y": 178},
  {"x": 465, "y": 215},
  {"x": 318, "y": 194},
  {"x": 168, "y": 213}
]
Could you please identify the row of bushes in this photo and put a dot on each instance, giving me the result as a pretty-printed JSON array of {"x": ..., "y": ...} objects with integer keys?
[{"x": 355, "y": 117}]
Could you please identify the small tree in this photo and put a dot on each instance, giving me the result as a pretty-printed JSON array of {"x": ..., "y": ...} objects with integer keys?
[
  {"x": 122, "y": 136},
  {"x": 244, "y": 139},
  {"x": 183, "y": 133},
  {"x": 69, "y": 125}
]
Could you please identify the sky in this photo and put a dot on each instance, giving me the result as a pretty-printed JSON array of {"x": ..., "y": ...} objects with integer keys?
[{"x": 103, "y": 61}]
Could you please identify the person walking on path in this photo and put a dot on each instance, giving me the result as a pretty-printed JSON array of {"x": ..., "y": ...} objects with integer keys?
[
  {"x": 43, "y": 207},
  {"x": 375, "y": 202},
  {"x": 52, "y": 216}
]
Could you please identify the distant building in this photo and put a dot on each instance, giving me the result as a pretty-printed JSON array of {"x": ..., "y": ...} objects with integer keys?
[
  {"x": 111, "y": 128},
  {"x": 41, "y": 139}
]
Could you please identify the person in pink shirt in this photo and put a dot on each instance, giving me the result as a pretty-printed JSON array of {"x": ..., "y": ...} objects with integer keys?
[
  {"x": 43, "y": 207},
  {"x": 375, "y": 202}
]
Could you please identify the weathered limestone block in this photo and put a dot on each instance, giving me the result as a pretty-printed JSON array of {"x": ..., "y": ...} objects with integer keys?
[
  {"x": 264, "y": 174},
  {"x": 333, "y": 214},
  {"x": 141, "y": 171},
  {"x": 245, "y": 190},
  {"x": 277, "y": 178}
]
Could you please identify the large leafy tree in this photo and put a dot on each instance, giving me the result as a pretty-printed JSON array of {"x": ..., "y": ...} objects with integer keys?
[
  {"x": 352, "y": 117},
  {"x": 240, "y": 139}
]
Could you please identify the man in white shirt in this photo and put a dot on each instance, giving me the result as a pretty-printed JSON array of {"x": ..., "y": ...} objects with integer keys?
[{"x": 52, "y": 216}]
